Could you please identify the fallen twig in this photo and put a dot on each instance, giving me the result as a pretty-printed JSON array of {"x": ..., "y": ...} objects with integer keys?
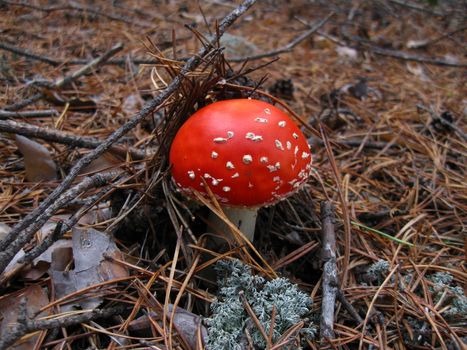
[
  {"x": 56, "y": 62},
  {"x": 330, "y": 280},
  {"x": 65, "y": 138},
  {"x": 12, "y": 243},
  {"x": 65, "y": 226},
  {"x": 287, "y": 48},
  {"x": 69, "y": 78},
  {"x": 28, "y": 114},
  {"x": 412, "y": 57},
  {"x": 416, "y": 7},
  {"x": 73, "y": 6},
  {"x": 26, "y": 325},
  {"x": 29, "y": 54},
  {"x": 348, "y": 306},
  {"x": 22, "y": 231}
]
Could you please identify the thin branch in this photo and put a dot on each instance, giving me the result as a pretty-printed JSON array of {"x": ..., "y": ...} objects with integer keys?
[
  {"x": 56, "y": 62},
  {"x": 348, "y": 306},
  {"x": 22, "y": 230},
  {"x": 52, "y": 135},
  {"x": 64, "y": 227},
  {"x": 13, "y": 242},
  {"x": 26, "y": 325},
  {"x": 69, "y": 78},
  {"x": 412, "y": 57},
  {"x": 443, "y": 36},
  {"x": 287, "y": 48},
  {"x": 89, "y": 67},
  {"x": 330, "y": 281},
  {"x": 73, "y": 6},
  {"x": 416, "y": 7},
  {"x": 29, "y": 54},
  {"x": 28, "y": 114}
]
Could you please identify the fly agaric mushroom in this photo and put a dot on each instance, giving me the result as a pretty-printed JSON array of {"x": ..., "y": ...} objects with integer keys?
[{"x": 248, "y": 152}]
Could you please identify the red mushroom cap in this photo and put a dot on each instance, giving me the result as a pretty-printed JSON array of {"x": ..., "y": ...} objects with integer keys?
[{"x": 249, "y": 152}]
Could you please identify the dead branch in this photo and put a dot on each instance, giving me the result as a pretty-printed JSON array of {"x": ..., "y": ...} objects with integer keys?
[
  {"x": 64, "y": 227},
  {"x": 287, "y": 48},
  {"x": 28, "y": 114},
  {"x": 12, "y": 243},
  {"x": 330, "y": 281},
  {"x": 22, "y": 231},
  {"x": 26, "y": 325},
  {"x": 65, "y": 138},
  {"x": 412, "y": 57},
  {"x": 358, "y": 143},
  {"x": 443, "y": 36},
  {"x": 416, "y": 7},
  {"x": 69, "y": 78},
  {"x": 73, "y": 6},
  {"x": 56, "y": 62},
  {"x": 348, "y": 306},
  {"x": 29, "y": 54},
  {"x": 60, "y": 229}
]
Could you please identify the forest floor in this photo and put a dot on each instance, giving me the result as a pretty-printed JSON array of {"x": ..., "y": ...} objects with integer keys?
[{"x": 98, "y": 248}]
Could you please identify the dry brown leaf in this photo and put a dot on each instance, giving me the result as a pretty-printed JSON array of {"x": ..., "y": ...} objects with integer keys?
[
  {"x": 58, "y": 255},
  {"x": 186, "y": 323},
  {"x": 104, "y": 162},
  {"x": 90, "y": 247},
  {"x": 37, "y": 160},
  {"x": 36, "y": 298}
]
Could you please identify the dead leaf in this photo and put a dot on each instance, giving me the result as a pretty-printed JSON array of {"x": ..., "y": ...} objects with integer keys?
[
  {"x": 347, "y": 53},
  {"x": 185, "y": 322},
  {"x": 104, "y": 162},
  {"x": 58, "y": 255},
  {"x": 37, "y": 160},
  {"x": 13, "y": 266},
  {"x": 132, "y": 104},
  {"x": 90, "y": 247},
  {"x": 74, "y": 103},
  {"x": 36, "y": 298},
  {"x": 417, "y": 44},
  {"x": 418, "y": 71}
]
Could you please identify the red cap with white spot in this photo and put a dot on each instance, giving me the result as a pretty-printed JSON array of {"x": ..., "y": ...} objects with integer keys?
[{"x": 248, "y": 152}]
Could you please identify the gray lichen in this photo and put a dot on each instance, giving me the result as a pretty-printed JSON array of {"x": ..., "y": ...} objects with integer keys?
[
  {"x": 229, "y": 320},
  {"x": 378, "y": 271},
  {"x": 443, "y": 284}
]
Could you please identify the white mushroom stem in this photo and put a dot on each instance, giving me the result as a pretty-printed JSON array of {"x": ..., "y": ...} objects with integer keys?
[{"x": 243, "y": 218}]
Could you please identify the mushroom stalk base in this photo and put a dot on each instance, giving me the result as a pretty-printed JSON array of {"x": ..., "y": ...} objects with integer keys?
[{"x": 244, "y": 219}]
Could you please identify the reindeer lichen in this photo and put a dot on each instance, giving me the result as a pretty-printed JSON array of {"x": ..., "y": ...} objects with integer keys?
[
  {"x": 229, "y": 320},
  {"x": 444, "y": 282},
  {"x": 378, "y": 271}
]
